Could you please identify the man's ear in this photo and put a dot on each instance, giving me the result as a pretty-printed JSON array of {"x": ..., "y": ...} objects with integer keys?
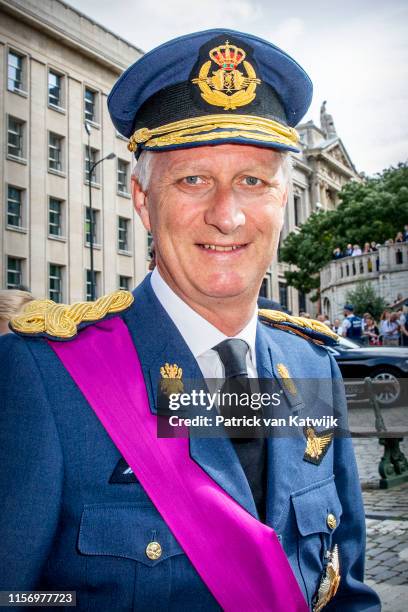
[{"x": 140, "y": 203}]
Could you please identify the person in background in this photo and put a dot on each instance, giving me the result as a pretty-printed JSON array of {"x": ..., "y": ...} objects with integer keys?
[
  {"x": 373, "y": 246},
  {"x": 405, "y": 233},
  {"x": 371, "y": 331},
  {"x": 12, "y": 302},
  {"x": 337, "y": 254},
  {"x": 356, "y": 250},
  {"x": 336, "y": 327},
  {"x": 349, "y": 250},
  {"x": 399, "y": 237},
  {"x": 352, "y": 325},
  {"x": 389, "y": 328},
  {"x": 367, "y": 248}
]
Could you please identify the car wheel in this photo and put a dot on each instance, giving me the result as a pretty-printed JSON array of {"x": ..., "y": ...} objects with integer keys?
[{"x": 392, "y": 394}]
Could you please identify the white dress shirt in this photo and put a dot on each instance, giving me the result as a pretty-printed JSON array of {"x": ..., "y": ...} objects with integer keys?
[{"x": 200, "y": 335}]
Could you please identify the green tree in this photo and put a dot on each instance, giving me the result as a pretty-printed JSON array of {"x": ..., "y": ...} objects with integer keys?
[
  {"x": 364, "y": 299},
  {"x": 375, "y": 209}
]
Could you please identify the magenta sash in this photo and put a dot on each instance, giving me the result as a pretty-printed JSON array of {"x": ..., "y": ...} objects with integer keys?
[{"x": 239, "y": 559}]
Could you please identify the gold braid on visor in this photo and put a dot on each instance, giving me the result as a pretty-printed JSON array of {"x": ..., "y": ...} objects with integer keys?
[{"x": 203, "y": 129}]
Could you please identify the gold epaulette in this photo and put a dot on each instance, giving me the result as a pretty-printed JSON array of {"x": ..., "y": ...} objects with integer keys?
[
  {"x": 310, "y": 329},
  {"x": 47, "y": 318}
]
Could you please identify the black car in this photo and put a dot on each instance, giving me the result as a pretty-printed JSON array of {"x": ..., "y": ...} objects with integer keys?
[{"x": 379, "y": 363}]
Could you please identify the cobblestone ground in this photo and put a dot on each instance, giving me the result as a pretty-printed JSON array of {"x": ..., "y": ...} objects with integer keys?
[{"x": 386, "y": 515}]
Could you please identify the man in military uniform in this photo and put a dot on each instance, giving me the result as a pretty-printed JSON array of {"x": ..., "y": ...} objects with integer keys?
[{"x": 93, "y": 500}]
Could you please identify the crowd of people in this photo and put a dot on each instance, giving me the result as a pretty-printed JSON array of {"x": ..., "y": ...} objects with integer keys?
[
  {"x": 352, "y": 250},
  {"x": 390, "y": 330}
]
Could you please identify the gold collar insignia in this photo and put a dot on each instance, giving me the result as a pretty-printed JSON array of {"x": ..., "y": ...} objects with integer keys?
[
  {"x": 286, "y": 379},
  {"x": 171, "y": 381}
]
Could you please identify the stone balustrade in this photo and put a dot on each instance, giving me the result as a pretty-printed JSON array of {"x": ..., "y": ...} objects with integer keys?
[{"x": 365, "y": 267}]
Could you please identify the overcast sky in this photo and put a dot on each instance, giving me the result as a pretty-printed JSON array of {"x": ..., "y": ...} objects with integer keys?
[{"x": 355, "y": 52}]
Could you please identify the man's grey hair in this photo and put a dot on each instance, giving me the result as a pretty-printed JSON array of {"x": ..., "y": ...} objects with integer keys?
[{"x": 142, "y": 171}]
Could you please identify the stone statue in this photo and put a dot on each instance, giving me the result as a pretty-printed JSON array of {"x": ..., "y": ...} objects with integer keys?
[{"x": 326, "y": 122}]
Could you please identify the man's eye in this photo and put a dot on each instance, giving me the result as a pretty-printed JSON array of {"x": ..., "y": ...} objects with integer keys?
[
  {"x": 252, "y": 181},
  {"x": 193, "y": 180}
]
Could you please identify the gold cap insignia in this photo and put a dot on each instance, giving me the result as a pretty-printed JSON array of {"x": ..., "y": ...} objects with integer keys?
[
  {"x": 227, "y": 87},
  {"x": 171, "y": 381},
  {"x": 330, "y": 580},
  {"x": 286, "y": 379},
  {"x": 317, "y": 445}
]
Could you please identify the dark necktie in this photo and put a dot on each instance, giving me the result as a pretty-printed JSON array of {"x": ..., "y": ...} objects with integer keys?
[{"x": 251, "y": 451}]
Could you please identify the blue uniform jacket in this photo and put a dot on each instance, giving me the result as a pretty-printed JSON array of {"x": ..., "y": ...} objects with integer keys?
[{"x": 65, "y": 526}]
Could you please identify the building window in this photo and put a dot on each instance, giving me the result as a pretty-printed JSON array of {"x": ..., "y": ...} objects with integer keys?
[
  {"x": 124, "y": 282},
  {"x": 263, "y": 291},
  {"x": 90, "y": 105},
  {"x": 88, "y": 285},
  {"x": 123, "y": 168},
  {"x": 55, "y": 282},
  {"x": 14, "y": 273},
  {"x": 14, "y": 207},
  {"x": 15, "y": 71},
  {"x": 55, "y": 152},
  {"x": 297, "y": 205},
  {"x": 149, "y": 246},
  {"x": 54, "y": 217},
  {"x": 55, "y": 89},
  {"x": 123, "y": 234},
  {"x": 94, "y": 215},
  {"x": 283, "y": 295},
  {"x": 15, "y": 137},
  {"x": 89, "y": 162}
]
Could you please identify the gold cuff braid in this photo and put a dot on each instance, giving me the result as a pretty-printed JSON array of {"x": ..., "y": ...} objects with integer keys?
[{"x": 202, "y": 129}]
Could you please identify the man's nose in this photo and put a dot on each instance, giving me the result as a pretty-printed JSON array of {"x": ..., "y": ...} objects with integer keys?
[{"x": 224, "y": 211}]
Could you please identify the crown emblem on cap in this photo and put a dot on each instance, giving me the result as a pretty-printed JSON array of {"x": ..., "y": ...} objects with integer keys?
[
  {"x": 227, "y": 87},
  {"x": 227, "y": 56}
]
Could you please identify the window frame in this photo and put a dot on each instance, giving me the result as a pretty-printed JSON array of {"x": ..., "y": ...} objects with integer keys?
[
  {"x": 61, "y": 76},
  {"x": 23, "y": 68},
  {"x": 20, "y": 261},
  {"x": 94, "y": 179},
  {"x": 125, "y": 183},
  {"x": 88, "y": 297},
  {"x": 21, "y": 137},
  {"x": 95, "y": 117},
  {"x": 124, "y": 287},
  {"x": 60, "y": 214},
  {"x": 60, "y": 150},
  {"x": 124, "y": 230},
  {"x": 20, "y": 216},
  {"x": 60, "y": 279},
  {"x": 96, "y": 219}
]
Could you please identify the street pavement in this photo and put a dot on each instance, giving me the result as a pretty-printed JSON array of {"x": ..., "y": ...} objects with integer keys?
[{"x": 386, "y": 512}]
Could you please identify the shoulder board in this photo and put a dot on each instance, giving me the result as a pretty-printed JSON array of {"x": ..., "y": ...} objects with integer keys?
[
  {"x": 310, "y": 329},
  {"x": 61, "y": 321}
]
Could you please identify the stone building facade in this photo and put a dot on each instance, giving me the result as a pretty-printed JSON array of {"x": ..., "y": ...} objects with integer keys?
[
  {"x": 58, "y": 67},
  {"x": 318, "y": 174}
]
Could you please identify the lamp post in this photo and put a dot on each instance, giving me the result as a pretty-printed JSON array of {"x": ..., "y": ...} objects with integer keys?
[{"x": 91, "y": 168}]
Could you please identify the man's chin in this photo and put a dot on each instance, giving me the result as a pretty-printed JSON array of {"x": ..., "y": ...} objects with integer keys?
[{"x": 226, "y": 290}]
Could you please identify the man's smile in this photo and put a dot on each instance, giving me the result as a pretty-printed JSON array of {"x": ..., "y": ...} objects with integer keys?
[{"x": 221, "y": 248}]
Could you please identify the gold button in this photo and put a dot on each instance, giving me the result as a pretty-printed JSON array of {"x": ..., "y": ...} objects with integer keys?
[
  {"x": 154, "y": 551},
  {"x": 331, "y": 521}
]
